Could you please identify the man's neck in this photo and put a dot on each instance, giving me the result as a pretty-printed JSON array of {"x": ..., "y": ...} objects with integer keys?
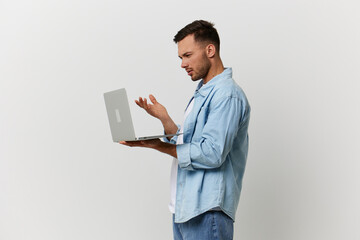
[{"x": 215, "y": 70}]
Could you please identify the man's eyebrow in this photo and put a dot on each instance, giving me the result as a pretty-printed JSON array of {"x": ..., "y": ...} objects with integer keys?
[{"x": 186, "y": 53}]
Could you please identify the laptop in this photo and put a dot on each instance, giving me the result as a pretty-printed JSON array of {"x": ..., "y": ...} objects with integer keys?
[{"x": 119, "y": 115}]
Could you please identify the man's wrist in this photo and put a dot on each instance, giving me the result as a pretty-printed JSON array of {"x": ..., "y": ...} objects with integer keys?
[
  {"x": 165, "y": 120},
  {"x": 169, "y": 126}
]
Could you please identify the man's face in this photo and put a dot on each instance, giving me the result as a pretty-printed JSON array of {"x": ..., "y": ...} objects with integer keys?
[{"x": 193, "y": 58}]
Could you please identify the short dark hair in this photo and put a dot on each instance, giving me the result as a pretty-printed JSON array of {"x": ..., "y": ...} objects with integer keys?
[{"x": 203, "y": 31}]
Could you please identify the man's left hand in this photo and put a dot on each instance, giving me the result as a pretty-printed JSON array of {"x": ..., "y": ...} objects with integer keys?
[
  {"x": 151, "y": 143},
  {"x": 157, "y": 144}
]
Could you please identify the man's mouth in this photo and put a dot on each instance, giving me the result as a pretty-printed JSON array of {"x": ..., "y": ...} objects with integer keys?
[{"x": 189, "y": 72}]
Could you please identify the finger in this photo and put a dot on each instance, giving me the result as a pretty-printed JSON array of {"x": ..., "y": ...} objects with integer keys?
[
  {"x": 131, "y": 143},
  {"x": 145, "y": 103},
  {"x": 124, "y": 143},
  {"x": 141, "y": 102},
  {"x": 152, "y": 99}
]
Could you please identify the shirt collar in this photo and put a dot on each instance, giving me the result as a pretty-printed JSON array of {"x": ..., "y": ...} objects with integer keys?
[{"x": 204, "y": 89}]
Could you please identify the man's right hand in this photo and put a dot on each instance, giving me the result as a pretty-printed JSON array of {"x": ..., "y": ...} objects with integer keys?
[
  {"x": 155, "y": 109},
  {"x": 158, "y": 111}
]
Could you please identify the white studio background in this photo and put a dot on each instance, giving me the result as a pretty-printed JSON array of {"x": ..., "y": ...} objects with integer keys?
[{"x": 61, "y": 177}]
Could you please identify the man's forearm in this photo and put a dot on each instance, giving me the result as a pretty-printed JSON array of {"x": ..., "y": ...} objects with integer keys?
[
  {"x": 169, "y": 125},
  {"x": 167, "y": 148}
]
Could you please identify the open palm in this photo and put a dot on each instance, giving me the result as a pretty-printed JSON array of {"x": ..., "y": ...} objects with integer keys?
[{"x": 155, "y": 109}]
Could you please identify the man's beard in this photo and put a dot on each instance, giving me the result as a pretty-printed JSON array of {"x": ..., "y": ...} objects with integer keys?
[{"x": 203, "y": 71}]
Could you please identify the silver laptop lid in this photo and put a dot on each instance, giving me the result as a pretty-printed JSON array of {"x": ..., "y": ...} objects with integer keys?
[{"x": 118, "y": 110}]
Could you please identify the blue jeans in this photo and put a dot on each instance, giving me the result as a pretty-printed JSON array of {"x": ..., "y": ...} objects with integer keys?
[{"x": 212, "y": 225}]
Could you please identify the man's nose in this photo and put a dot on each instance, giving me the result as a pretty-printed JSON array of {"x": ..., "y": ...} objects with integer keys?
[{"x": 184, "y": 64}]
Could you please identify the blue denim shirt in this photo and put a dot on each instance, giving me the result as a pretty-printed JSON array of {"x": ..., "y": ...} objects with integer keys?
[{"x": 213, "y": 156}]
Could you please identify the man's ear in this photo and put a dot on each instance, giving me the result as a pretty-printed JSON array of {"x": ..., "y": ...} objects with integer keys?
[{"x": 210, "y": 50}]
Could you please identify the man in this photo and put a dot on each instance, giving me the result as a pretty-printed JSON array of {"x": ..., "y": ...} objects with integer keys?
[{"x": 210, "y": 155}]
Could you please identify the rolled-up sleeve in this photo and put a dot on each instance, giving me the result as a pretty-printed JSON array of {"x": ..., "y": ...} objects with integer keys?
[
  {"x": 216, "y": 136},
  {"x": 174, "y": 138}
]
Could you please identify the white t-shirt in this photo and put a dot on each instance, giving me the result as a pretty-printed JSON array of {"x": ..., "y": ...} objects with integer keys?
[{"x": 174, "y": 167}]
